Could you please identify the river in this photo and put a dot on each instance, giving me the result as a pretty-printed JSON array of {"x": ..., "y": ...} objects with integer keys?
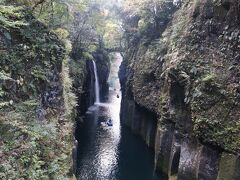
[{"x": 111, "y": 152}]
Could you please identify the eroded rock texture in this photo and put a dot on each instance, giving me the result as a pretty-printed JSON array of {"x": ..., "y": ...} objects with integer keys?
[{"x": 186, "y": 85}]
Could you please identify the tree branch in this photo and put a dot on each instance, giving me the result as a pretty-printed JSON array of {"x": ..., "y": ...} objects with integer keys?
[{"x": 38, "y": 3}]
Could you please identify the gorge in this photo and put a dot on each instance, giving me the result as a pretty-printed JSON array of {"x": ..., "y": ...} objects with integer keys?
[
  {"x": 111, "y": 152},
  {"x": 120, "y": 90}
]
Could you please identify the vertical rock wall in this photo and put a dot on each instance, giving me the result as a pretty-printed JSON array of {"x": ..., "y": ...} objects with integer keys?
[
  {"x": 36, "y": 113},
  {"x": 181, "y": 91},
  {"x": 84, "y": 79}
]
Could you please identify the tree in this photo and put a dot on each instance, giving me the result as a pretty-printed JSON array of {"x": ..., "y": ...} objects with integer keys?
[
  {"x": 146, "y": 17},
  {"x": 91, "y": 24}
]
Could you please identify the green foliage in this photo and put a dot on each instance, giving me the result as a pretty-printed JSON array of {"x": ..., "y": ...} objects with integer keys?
[
  {"x": 178, "y": 30},
  {"x": 29, "y": 104},
  {"x": 215, "y": 113},
  {"x": 39, "y": 73},
  {"x": 4, "y": 76},
  {"x": 94, "y": 25},
  {"x": 33, "y": 150},
  {"x": 35, "y": 52},
  {"x": 11, "y": 17},
  {"x": 70, "y": 99},
  {"x": 78, "y": 73},
  {"x": 219, "y": 133},
  {"x": 143, "y": 25},
  {"x": 63, "y": 34},
  {"x": 112, "y": 36},
  {"x": 53, "y": 13},
  {"x": 150, "y": 14},
  {"x": 209, "y": 78},
  {"x": 5, "y": 104},
  {"x": 87, "y": 55},
  {"x": 162, "y": 108},
  {"x": 2, "y": 93}
]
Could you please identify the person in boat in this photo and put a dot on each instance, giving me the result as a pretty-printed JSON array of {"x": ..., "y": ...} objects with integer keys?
[{"x": 109, "y": 122}]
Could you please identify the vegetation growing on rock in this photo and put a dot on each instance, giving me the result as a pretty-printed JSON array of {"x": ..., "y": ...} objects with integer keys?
[
  {"x": 45, "y": 50},
  {"x": 190, "y": 68},
  {"x": 181, "y": 67},
  {"x": 33, "y": 108}
]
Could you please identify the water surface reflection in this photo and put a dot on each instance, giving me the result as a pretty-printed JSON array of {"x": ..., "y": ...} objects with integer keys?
[{"x": 111, "y": 152}]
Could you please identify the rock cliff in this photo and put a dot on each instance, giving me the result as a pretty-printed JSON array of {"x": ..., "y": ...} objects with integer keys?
[
  {"x": 36, "y": 101},
  {"x": 181, "y": 89},
  {"x": 82, "y": 72}
]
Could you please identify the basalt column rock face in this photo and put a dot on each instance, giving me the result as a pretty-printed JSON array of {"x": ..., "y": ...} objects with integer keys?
[
  {"x": 141, "y": 120},
  {"x": 87, "y": 96},
  {"x": 187, "y": 85}
]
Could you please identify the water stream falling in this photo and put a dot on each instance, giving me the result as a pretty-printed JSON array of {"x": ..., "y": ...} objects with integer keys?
[
  {"x": 97, "y": 99},
  {"x": 111, "y": 152}
]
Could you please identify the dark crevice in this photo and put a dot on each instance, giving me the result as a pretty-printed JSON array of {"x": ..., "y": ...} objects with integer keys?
[
  {"x": 175, "y": 161},
  {"x": 149, "y": 77},
  {"x": 182, "y": 116},
  {"x": 227, "y": 5},
  {"x": 177, "y": 95}
]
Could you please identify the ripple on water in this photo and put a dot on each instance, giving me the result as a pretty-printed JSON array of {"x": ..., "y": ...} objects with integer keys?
[{"x": 111, "y": 153}]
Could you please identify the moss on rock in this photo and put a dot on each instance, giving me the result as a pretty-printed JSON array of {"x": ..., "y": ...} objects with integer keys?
[
  {"x": 36, "y": 99},
  {"x": 190, "y": 75}
]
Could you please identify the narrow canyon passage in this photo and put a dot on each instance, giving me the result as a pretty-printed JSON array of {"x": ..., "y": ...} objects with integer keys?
[
  {"x": 166, "y": 107},
  {"x": 111, "y": 152}
]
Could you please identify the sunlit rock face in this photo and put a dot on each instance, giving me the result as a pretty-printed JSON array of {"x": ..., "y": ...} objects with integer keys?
[{"x": 188, "y": 80}]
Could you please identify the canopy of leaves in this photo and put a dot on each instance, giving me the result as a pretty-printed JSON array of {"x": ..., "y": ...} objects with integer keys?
[{"x": 146, "y": 18}]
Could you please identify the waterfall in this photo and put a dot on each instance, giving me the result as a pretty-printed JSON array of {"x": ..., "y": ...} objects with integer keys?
[{"x": 97, "y": 99}]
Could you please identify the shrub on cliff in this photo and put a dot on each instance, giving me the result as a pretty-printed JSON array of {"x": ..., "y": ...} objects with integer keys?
[
  {"x": 35, "y": 100},
  {"x": 153, "y": 16}
]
